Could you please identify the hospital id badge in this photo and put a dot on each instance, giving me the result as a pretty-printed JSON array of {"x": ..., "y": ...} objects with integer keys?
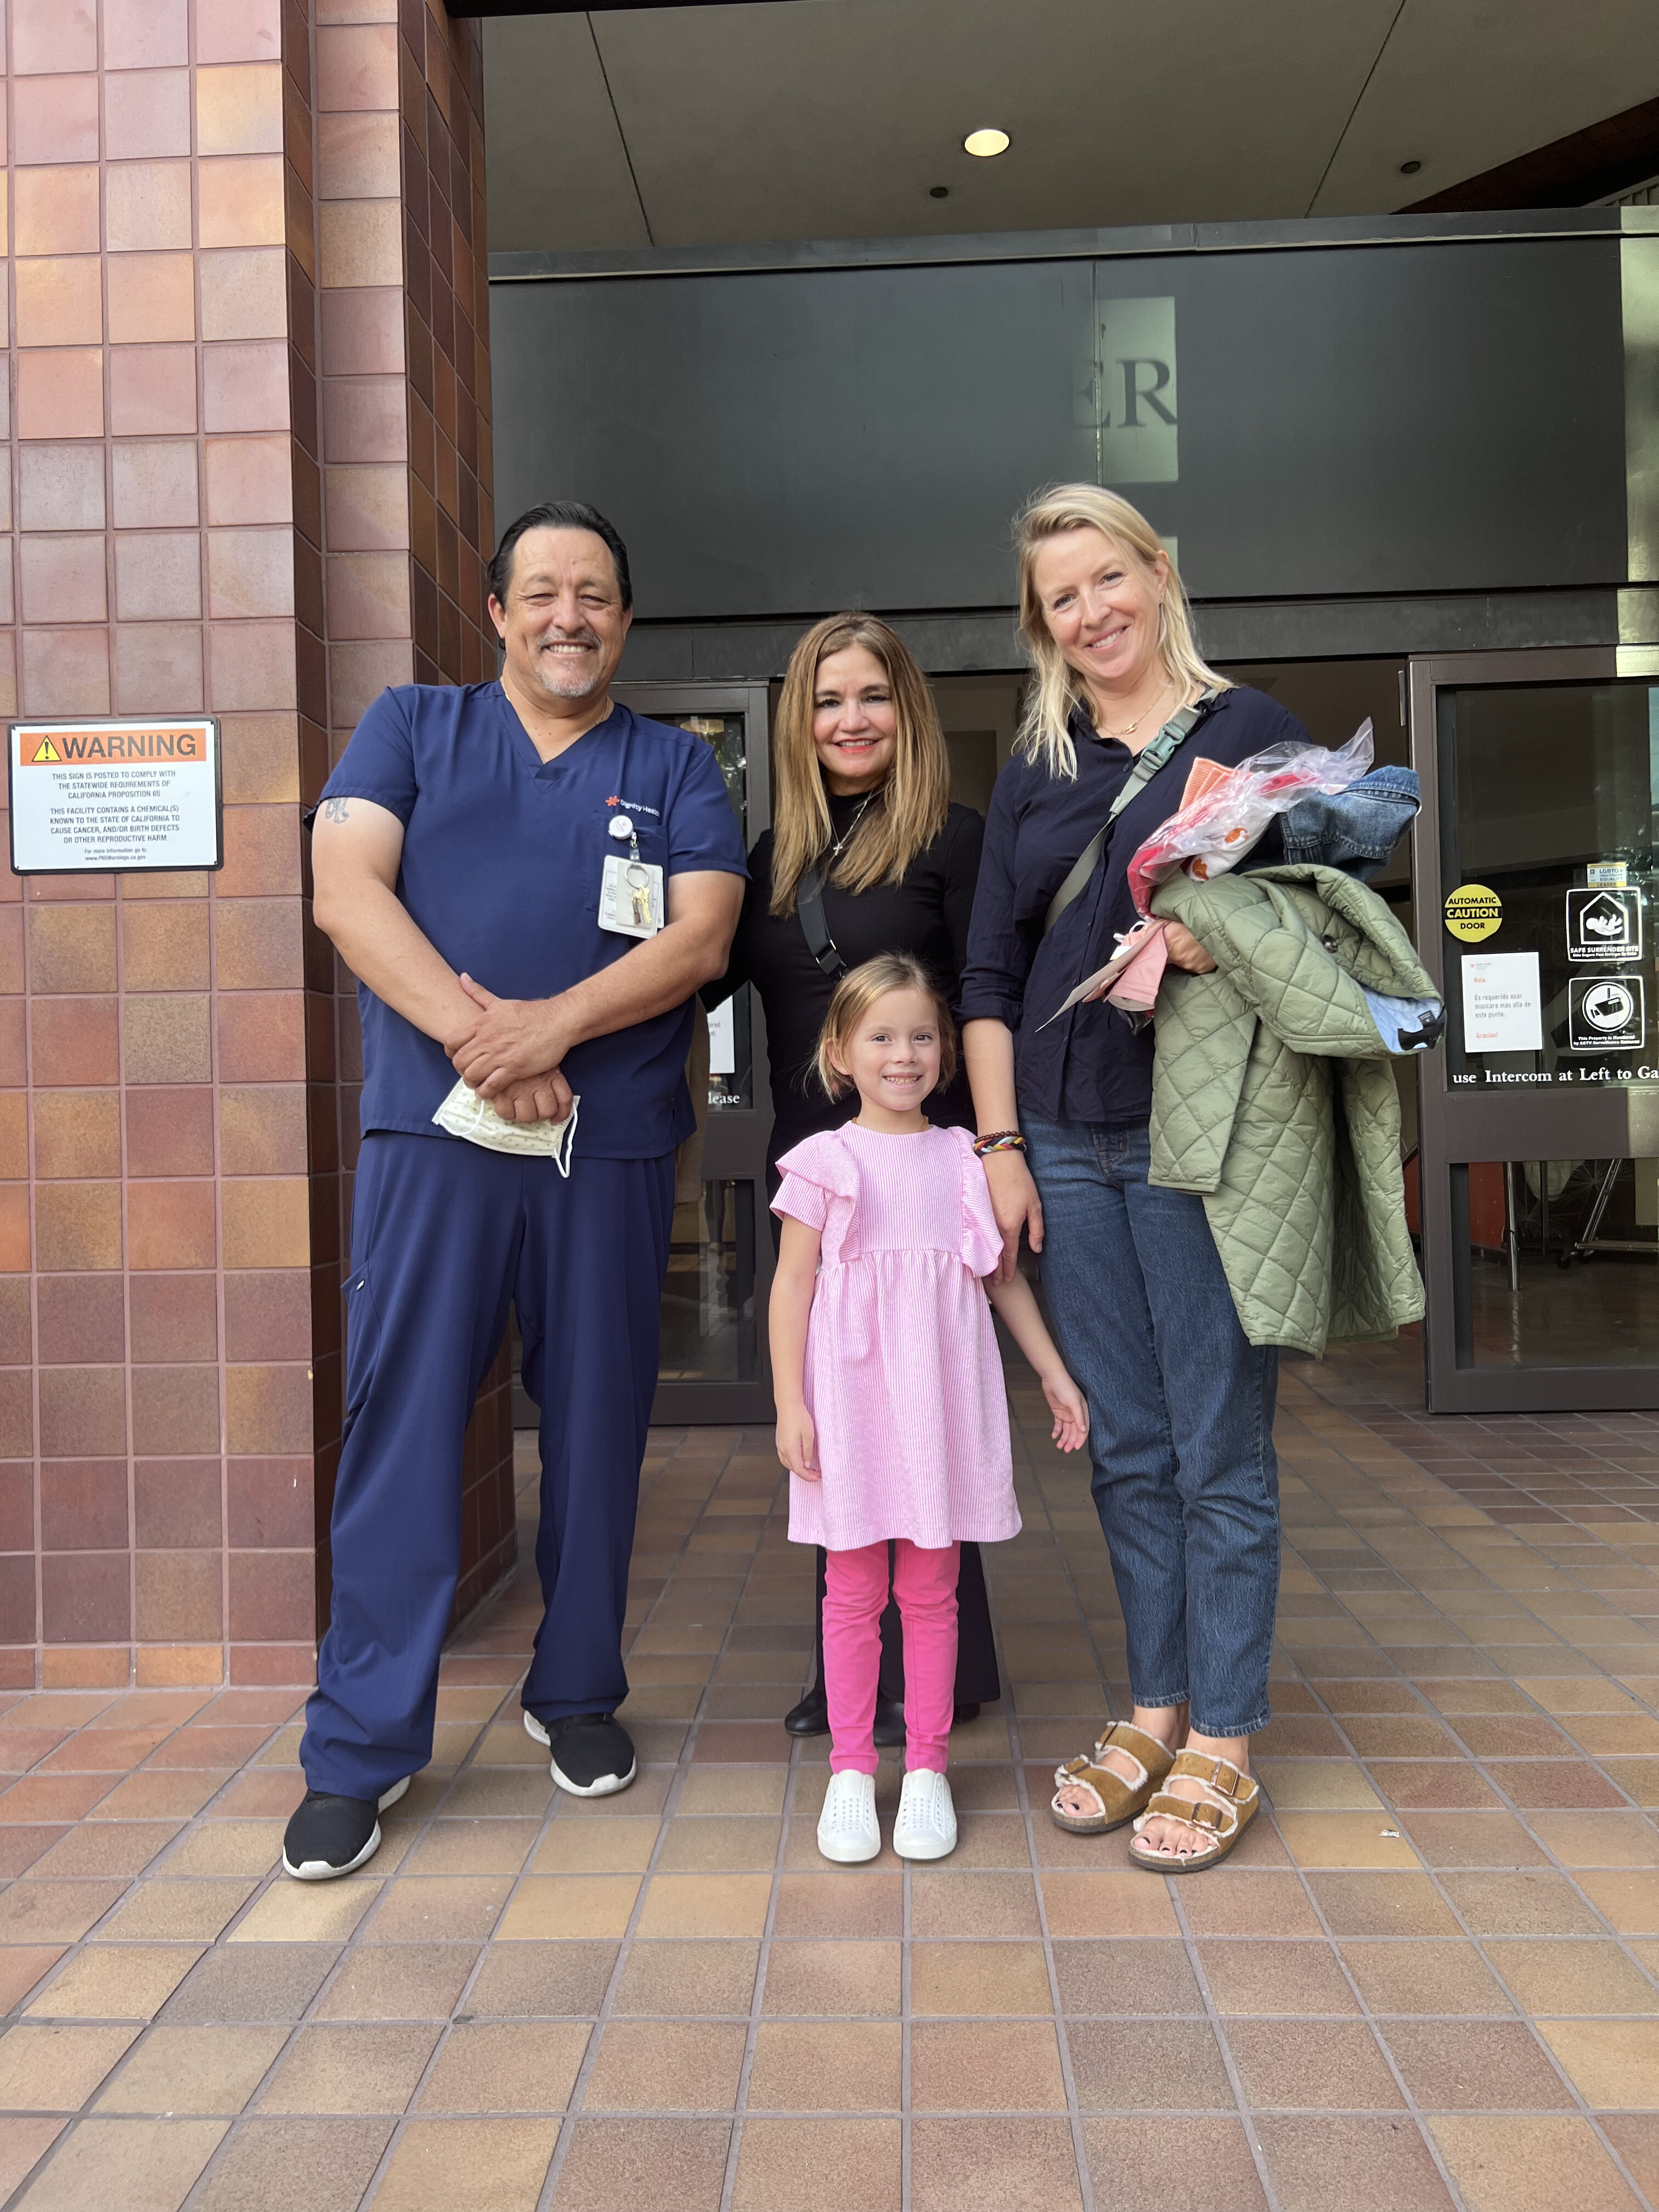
[{"x": 631, "y": 896}]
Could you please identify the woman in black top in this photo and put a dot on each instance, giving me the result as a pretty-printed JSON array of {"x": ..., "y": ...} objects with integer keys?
[
  {"x": 862, "y": 810},
  {"x": 1185, "y": 1479}
]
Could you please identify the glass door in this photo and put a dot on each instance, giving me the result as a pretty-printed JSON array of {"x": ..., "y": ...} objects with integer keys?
[
  {"x": 1539, "y": 1163},
  {"x": 713, "y": 1365}
]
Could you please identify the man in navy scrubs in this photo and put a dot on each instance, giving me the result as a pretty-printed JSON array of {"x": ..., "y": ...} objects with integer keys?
[{"x": 529, "y": 883}]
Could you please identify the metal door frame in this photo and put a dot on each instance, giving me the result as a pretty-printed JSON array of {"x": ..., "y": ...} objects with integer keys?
[
  {"x": 1457, "y": 1128},
  {"x": 734, "y": 1141}
]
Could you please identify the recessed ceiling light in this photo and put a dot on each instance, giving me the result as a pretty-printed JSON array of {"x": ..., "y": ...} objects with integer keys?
[
  {"x": 1409, "y": 168},
  {"x": 984, "y": 143}
]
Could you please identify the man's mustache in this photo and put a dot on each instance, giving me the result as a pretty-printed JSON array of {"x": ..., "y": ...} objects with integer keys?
[{"x": 570, "y": 638}]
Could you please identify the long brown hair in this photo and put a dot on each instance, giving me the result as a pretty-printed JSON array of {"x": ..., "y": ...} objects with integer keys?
[
  {"x": 1049, "y": 701},
  {"x": 906, "y": 813}
]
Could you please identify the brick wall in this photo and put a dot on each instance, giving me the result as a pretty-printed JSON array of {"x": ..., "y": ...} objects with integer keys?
[
  {"x": 404, "y": 360},
  {"x": 214, "y": 325}
]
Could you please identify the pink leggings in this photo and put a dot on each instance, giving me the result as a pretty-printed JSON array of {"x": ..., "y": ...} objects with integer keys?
[{"x": 855, "y": 1597}]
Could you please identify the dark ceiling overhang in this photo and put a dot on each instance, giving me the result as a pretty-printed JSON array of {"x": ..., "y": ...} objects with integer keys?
[
  {"x": 1609, "y": 157},
  {"x": 569, "y": 7}
]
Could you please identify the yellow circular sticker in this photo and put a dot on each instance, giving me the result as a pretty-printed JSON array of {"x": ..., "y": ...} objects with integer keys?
[{"x": 1473, "y": 913}]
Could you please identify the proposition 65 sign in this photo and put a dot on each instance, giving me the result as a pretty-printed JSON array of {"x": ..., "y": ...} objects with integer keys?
[{"x": 98, "y": 797}]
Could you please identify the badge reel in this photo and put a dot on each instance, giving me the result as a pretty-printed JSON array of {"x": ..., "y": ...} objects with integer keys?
[{"x": 631, "y": 891}]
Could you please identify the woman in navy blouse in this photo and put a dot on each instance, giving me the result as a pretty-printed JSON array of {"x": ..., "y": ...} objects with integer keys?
[{"x": 1185, "y": 1478}]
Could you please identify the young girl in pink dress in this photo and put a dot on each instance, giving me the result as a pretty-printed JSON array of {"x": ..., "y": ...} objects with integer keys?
[{"x": 892, "y": 1418}]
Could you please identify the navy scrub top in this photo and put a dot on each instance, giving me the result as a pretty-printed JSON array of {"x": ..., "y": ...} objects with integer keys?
[{"x": 501, "y": 861}]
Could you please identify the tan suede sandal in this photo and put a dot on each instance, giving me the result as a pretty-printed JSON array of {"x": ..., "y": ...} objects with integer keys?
[
  {"x": 1119, "y": 1801},
  {"x": 1216, "y": 1827}
]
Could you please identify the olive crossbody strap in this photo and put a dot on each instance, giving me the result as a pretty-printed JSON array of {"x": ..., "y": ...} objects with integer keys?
[
  {"x": 1169, "y": 740},
  {"x": 809, "y": 905}
]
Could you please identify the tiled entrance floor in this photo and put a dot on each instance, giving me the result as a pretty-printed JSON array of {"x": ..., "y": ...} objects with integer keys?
[{"x": 1431, "y": 1977}]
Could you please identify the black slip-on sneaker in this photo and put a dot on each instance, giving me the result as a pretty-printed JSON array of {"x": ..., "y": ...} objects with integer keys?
[
  {"x": 812, "y": 1716},
  {"x": 593, "y": 1753},
  {"x": 889, "y": 1722},
  {"x": 329, "y": 1836}
]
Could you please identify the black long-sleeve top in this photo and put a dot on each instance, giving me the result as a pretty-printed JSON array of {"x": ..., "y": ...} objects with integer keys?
[
  {"x": 926, "y": 915},
  {"x": 1091, "y": 1065}
]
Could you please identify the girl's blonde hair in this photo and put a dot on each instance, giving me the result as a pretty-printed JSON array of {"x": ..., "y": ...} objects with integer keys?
[
  {"x": 857, "y": 992},
  {"x": 905, "y": 813},
  {"x": 1050, "y": 700}
]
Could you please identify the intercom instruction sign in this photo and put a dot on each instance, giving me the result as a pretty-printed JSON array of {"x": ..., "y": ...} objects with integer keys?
[{"x": 106, "y": 796}]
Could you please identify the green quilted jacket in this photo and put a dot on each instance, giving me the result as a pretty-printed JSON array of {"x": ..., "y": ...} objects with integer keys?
[{"x": 1273, "y": 1096}]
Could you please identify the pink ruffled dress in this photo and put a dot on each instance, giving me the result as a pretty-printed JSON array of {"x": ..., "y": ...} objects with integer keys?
[{"x": 903, "y": 1379}]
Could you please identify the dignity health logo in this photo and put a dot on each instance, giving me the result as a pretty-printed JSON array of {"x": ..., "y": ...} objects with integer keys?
[{"x": 1129, "y": 393}]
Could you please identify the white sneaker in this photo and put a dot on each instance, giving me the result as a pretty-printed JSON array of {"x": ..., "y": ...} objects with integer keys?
[
  {"x": 926, "y": 1825},
  {"x": 847, "y": 1826}
]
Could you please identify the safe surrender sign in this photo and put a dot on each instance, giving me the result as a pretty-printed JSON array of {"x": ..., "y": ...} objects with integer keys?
[{"x": 99, "y": 797}]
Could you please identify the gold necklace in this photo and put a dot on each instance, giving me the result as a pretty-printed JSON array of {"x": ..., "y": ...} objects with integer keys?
[{"x": 1130, "y": 728}]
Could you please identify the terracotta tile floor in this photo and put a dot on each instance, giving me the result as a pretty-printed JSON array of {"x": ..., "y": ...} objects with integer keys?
[{"x": 1429, "y": 1977}]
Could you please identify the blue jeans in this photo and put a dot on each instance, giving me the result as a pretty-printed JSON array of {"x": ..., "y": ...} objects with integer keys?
[{"x": 1180, "y": 1405}]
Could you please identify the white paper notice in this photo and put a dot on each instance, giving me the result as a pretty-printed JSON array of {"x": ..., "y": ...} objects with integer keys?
[
  {"x": 1503, "y": 1004},
  {"x": 722, "y": 1040},
  {"x": 102, "y": 796}
]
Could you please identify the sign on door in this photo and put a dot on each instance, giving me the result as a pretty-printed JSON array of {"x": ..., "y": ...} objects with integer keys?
[
  {"x": 1604, "y": 924},
  {"x": 1606, "y": 1013}
]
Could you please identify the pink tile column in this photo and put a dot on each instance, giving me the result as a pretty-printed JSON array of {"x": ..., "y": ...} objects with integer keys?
[
  {"x": 407, "y": 523},
  {"x": 212, "y": 499}
]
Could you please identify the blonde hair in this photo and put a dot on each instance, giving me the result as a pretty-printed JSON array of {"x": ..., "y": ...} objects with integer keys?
[
  {"x": 854, "y": 995},
  {"x": 1050, "y": 700},
  {"x": 906, "y": 813}
]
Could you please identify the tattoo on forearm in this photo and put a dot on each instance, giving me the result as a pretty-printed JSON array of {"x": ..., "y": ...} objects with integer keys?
[{"x": 335, "y": 810}]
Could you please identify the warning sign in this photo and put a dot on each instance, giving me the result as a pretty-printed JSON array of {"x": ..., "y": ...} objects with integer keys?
[
  {"x": 1604, "y": 924},
  {"x": 1606, "y": 1013},
  {"x": 115, "y": 796},
  {"x": 1473, "y": 913}
]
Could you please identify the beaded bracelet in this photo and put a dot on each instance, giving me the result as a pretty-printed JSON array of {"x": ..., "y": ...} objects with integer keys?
[{"x": 1000, "y": 1141}]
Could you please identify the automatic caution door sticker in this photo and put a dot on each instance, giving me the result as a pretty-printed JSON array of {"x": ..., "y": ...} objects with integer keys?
[
  {"x": 1606, "y": 1013},
  {"x": 1604, "y": 924},
  {"x": 115, "y": 795},
  {"x": 1473, "y": 913}
]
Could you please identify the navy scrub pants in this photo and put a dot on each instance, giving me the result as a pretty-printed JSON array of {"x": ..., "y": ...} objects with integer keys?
[{"x": 445, "y": 1235}]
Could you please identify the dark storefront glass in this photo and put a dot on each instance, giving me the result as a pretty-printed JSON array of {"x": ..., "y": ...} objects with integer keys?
[
  {"x": 1548, "y": 815},
  {"x": 1560, "y": 1262},
  {"x": 708, "y": 1307},
  {"x": 1548, "y": 796}
]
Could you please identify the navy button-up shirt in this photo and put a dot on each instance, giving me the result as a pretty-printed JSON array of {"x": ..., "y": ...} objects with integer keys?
[{"x": 1092, "y": 1065}]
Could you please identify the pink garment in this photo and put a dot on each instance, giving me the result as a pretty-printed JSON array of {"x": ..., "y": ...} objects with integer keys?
[
  {"x": 904, "y": 1380},
  {"x": 1136, "y": 986},
  {"x": 854, "y": 1598}
]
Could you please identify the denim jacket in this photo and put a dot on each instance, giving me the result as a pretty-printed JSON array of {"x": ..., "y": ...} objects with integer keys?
[{"x": 1356, "y": 830}]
